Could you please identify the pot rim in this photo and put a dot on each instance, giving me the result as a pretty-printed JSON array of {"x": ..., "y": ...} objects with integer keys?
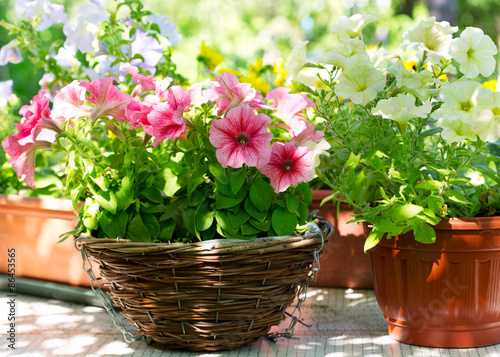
[{"x": 469, "y": 223}]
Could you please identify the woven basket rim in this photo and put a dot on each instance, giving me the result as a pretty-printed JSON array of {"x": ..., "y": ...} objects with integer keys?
[{"x": 323, "y": 231}]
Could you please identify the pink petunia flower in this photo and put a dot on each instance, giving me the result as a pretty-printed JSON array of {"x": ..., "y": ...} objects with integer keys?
[
  {"x": 166, "y": 118},
  {"x": 288, "y": 166},
  {"x": 22, "y": 146},
  {"x": 107, "y": 99},
  {"x": 289, "y": 107},
  {"x": 36, "y": 117},
  {"x": 23, "y": 157},
  {"x": 69, "y": 103},
  {"x": 137, "y": 113},
  {"x": 241, "y": 138},
  {"x": 228, "y": 92},
  {"x": 144, "y": 83},
  {"x": 307, "y": 135}
]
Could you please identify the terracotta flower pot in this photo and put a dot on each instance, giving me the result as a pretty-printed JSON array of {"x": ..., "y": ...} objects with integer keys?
[
  {"x": 445, "y": 294},
  {"x": 344, "y": 263},
  {"x": 32, "y": 226}
]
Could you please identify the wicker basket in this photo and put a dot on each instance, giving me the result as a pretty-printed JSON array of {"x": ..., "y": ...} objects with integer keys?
[{"x": 214, "y": 295}]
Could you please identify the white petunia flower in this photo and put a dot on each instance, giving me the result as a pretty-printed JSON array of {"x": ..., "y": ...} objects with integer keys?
[
  {"x": 311, "y": 77},
  {"x": 5, "y": 92},
  {"x": 297, "y": 60},
  {"x": 43, "y": 10},
  {"x": 82, "y": 35},
  {"x": 415, "y": 83},
  {"x": 460, "y": 101},
  {"x": 401, "y": 108},
  {"x": 66, "y": 57},
  {"x": 350, "y": 27},
  {"x": 380, "y": 57},
  {"x": 46, "y": 79},
  {"x": 475, "y": 52},
  {"x": 103, "y": 68},
  {"x": 10, "y": 53},
  {"x": 431, "y": 36},
  {"x": 455, "y": 130},
  {"x": 360, "y": 82},
  {"x": 340, "y": 56},
  {"x": 317, "y": 149},
  {"x": 487, "y": 124},
  {"x": 167, "y": 28}
]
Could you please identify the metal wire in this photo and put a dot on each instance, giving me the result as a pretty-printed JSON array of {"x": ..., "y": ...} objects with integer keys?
[
  {"x": 128, "y": 336},
  {"x": 297, "y": 312}
]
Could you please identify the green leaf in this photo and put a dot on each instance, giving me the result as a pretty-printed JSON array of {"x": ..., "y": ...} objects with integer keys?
[
  {"x": 298, "y": 87},
  {"x": 224, "y": 189},
  {"x": 219, "y": 173},
  {"x": 435, "y": 203},
  {"x": 262, "y": 195},
  {"x": 114, "y": 225},
  {"x": 424, "y": 233},
  {"x": 107, "y": 200},
  {"x": 237, "y": 219},
  {"x": 303, "y": 212},
  {"x": 430, "y": 185},
  {"x": 188, "y": 216},
  {"x": 352, "y": 162},
  {"x": 124, "y": 195},
  {"x": 204, "y": 217},
  {"x": 175, "y": 207},
  {"x": 194, "y": 181},
  {"x": 261, "y": 226},
  {"x": 253, "y": 211},
  {"x": 75, "y": 197},
  {"x": 284, "y": 222},
  {"x": 237, "y": 180},
  {"x": 430, "y": 217},
  {"x": 224, "y": 223},
  {"x": 248, "y": 229},
  {"x": 151, "y": 223},
  {"x": 209, "y": 233},
  {"x": 152, "y": 193},
  {"x": 198, "y": 196},
  {"x": 373, "y": 239},
  {"x": 167, "y": 230},
  {"x": 358, "y": 185},
  {"x": 305, "y": 192},
  {"x": 137, "y": 231},
  {"x": 223, "y": 201},
  {"x": 386, "y": 226},
  {"x": 408, "y": 211},
  {"x": 146, "y": 208},
  {"x": 456, "y": 196},
  {"x": 292, "y": 203}
]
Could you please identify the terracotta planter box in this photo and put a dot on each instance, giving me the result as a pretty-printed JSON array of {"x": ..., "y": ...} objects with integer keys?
[
  {"x": 445, "y": 294},
  {"x": 32, "y": 226},
  {"x": 344, "y": 263}
]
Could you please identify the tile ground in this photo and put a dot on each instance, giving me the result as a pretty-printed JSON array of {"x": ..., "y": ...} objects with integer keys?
[{"x": 343, "y": 323}]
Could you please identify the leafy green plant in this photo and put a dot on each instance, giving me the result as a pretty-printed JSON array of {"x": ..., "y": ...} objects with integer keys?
[{"x": 410, "y": 138}]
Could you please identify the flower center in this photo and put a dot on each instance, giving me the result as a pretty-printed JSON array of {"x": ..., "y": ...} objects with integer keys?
[
  {"x": 465, "y": 106},
  {"x": 242, "y": 138},
  {"x": 287, "y": 165},
  {"x": 496, "y": 111}
]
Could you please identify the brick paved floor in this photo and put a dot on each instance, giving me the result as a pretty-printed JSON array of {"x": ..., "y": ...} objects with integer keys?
[{"x": 344, "y": 323}]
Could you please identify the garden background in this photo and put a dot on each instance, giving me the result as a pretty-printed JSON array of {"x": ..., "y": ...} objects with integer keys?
[{"x": 245, "y": 30}]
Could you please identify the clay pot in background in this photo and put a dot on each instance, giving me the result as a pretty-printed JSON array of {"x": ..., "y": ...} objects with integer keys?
[
  {"x": 344, "y": 263},
  {"x": 32, "y": 226}
]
